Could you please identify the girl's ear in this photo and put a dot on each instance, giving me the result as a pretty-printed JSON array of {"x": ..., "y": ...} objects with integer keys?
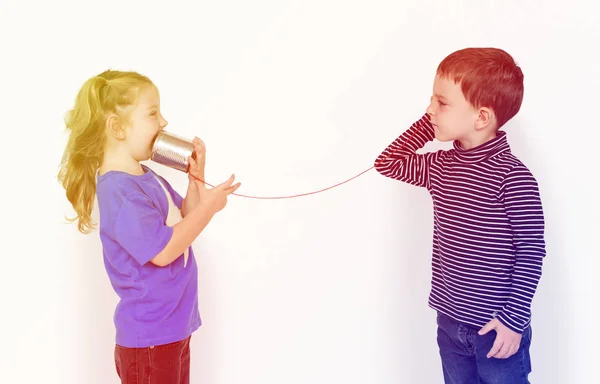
[{"x": 115, "y": 128}]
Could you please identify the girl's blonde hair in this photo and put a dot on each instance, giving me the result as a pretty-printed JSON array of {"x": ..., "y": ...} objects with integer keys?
[{"x": 100, "y": 96}]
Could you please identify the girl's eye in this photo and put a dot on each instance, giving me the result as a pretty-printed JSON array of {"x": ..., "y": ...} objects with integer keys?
[{"x": 153, "y": 113}]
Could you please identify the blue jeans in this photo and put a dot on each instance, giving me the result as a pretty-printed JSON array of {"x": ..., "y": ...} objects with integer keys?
[{"x": 464, "y": 360}]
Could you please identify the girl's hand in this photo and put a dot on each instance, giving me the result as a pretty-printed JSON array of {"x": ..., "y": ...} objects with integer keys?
[
  {"x": 215, "y": 199},
  {"x": 197, "y": 162}
]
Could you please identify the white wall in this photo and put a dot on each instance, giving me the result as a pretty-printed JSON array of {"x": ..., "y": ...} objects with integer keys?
[{"x": 293, "y": 97}]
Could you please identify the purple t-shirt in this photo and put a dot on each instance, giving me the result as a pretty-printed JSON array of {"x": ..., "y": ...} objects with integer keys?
[{"x": 158, "y": 305}]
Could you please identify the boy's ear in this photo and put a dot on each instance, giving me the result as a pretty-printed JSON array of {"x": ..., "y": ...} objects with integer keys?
[
  {"x": 115, "y": 127},
  {"x": 485, "y": 118}
]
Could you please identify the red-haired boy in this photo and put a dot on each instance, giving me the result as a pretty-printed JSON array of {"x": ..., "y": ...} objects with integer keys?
[{"x": 488, "y": 237}]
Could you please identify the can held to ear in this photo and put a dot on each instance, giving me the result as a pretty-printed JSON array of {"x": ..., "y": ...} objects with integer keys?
[{"x": 172, "y": 150}]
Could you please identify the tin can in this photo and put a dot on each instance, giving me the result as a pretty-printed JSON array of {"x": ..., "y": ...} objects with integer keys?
[{"x": 172, "y": 150}]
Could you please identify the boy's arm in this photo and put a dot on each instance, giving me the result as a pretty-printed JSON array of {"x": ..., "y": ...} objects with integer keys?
[
  {"x": 401, "y": 162},
  {"x": 523, "y": 206}
]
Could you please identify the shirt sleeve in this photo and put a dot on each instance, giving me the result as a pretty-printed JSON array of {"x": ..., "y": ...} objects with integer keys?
[
  {"x": 523, "y": 206},
  {"x": 400, "y": 161},
  {"x": 140, "y": 228}
]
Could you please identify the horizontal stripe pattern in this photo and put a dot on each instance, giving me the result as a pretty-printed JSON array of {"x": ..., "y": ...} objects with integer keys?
[{"x": 488, "y": 235}]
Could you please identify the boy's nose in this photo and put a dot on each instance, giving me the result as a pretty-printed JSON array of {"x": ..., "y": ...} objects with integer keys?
[{"x": 429, "y": 110}]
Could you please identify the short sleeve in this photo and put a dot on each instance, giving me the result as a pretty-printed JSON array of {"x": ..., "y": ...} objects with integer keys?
[{"x": 140, "y": 228}]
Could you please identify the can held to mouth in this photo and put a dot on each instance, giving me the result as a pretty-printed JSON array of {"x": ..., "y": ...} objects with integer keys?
[{"x": 172, "y": 150}]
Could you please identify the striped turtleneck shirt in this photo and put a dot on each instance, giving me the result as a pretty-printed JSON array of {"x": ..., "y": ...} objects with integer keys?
[{"x": 488, "y": 234}]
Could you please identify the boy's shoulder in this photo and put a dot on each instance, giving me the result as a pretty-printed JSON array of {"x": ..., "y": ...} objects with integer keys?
[
  {"x": 516, "y": 175},
  {"x": 514, "y": 164}
]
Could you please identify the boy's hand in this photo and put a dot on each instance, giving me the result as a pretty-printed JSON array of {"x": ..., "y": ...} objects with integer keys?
[{"x": 507, "y": 341}]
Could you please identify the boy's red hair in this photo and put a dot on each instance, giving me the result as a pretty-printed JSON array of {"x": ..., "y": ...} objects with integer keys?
[{"x": 489, "y": 77}]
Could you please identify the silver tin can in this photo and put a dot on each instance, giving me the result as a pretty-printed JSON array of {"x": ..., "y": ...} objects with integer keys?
[{"x": 172, "y": 150}]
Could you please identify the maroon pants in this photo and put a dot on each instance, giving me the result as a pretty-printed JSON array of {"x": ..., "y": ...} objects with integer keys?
[{"x": 160, "y": 364}]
